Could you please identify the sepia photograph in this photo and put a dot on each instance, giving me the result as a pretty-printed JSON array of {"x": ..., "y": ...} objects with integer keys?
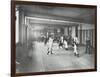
[{"x": 54, "y": 37}]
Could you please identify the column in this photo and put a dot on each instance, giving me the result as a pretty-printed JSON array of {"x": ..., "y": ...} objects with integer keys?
[
  {"x": 76, "y": 31},
  {"x": 21, "y": 26},
  {"x": 80, "y": 33},
  {"x": 73, "y": 31},
  {"x": 66, "y": 31}
]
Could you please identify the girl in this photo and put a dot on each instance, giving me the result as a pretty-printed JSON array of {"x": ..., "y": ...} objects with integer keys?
[
  {"x": 65, "y": 45},
  {"x": 75, "y": 46},
  {"x": 50, "y": 44},
  {"x": 61, "y": 42}
]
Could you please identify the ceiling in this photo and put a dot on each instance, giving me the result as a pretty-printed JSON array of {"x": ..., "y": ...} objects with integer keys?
[{"x": 73, "y": 14}]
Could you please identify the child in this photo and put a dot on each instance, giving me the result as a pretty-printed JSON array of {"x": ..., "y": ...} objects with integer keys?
[
  {"x": 65, "y": 44},
  {"x": 75, "y": 50},
  {"x": 50, "y": 44},
  {"x": 76, "y": 42},
  {"x": 61, "y": 42}
]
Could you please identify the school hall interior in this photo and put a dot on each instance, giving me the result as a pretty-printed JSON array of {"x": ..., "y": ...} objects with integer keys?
[{"x": 35, "y": 22}]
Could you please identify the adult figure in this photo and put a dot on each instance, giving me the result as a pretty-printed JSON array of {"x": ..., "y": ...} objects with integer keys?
[{"x": 88, "y": 45}]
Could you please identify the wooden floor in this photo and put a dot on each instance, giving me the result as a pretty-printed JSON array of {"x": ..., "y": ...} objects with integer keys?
[{"x": 60, "y": 60}]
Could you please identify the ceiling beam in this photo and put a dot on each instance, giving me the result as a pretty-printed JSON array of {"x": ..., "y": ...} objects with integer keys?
[{"x": 51, "y": 16}]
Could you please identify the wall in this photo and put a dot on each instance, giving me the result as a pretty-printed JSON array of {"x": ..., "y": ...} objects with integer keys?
[
  {"x": 86, "y": 26},
  {"x": 88, "y": 30}
]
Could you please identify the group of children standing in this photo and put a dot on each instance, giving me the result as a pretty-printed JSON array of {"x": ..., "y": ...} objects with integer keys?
[{"x": 63, "y": 43}]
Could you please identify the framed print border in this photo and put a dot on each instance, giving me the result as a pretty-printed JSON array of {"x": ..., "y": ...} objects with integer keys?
[{"x": 13, "y": 37}]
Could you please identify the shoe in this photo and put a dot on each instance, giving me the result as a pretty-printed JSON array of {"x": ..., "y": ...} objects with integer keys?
[
  {"x": 74, "y": 54},
  {"x": 48, "y": 53},
  {"x": 51, "y": 53},
  {"x": 77, "y": 55}
]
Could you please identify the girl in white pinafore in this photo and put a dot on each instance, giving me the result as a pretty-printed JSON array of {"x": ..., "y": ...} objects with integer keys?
[
  {"x": 75, "y": 46},
  {"x": 65, "y": 45},
  {"x": 50, "y": 45}
]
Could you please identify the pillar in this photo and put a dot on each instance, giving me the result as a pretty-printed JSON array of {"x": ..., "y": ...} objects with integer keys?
[
  {"x": 66, "y": 31},
  {"x": 73, "y": 31},
  {"x": 80, "y": 33},
  {"x": 76, "y": 31},
  {"x": 21, "y": 26}
]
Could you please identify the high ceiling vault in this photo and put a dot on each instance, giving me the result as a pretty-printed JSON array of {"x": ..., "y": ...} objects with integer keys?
[{"x": 73, "y": 14}]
